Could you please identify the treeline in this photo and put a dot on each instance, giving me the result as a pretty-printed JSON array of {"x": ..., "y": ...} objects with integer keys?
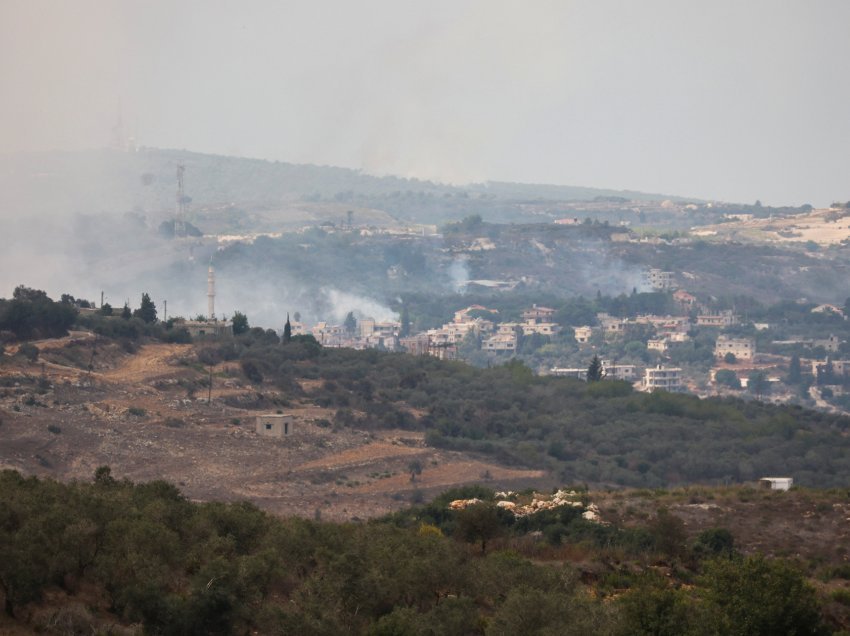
[
  {"x": 31, "y": 314},
  {"x": 143, "y": 554},
  {"x": 598, "y": 433}
]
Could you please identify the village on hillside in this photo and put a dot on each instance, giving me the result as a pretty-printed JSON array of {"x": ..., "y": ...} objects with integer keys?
[{"x": 737, "y": 367}]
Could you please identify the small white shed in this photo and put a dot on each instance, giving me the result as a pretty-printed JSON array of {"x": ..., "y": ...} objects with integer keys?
[
  {"x": 275, "y": 425},
  {"x": 776, "y": 483}
]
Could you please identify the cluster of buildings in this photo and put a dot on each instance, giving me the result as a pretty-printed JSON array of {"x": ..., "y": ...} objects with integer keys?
[
  {"x": 367, "y": 334},
  {"x": 495, "y": 337},
  {"x": 660, "y": 333}
]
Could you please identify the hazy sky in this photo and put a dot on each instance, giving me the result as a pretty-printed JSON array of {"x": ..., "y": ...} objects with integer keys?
[{"x": 729, "y": 99}]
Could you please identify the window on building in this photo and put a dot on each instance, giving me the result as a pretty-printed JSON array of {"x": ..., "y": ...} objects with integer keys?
[{"x": 268, "y": 427}]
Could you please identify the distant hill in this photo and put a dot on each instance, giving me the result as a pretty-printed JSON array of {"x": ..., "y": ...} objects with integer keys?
[
  {"x": 98, "y": 181},
  {"x": 542, "y": 191}
]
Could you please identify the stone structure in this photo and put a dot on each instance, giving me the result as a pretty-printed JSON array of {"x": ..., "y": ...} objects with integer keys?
[
  {"x": 275, "y": 425},
  {"x": 741, "y": 348}
]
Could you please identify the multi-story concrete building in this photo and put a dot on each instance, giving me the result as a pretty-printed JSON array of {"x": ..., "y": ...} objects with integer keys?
[
  {"x": 611, "y": 326},
  {"x": 206, "y": 329},
  {"x": 500, "y": 342},
  {"x": 741, "y": 348},
  {"x": 573, "y": 372},
  {"x": 684, "y": 300},
  {"x": 831, "y": 371},
  {"x": 725, "y": 318},
  {"x": 657, "y": 344},
  {"x": 530, "y": 327},
  {"x": 624, "y": 372},
  {"x": 659, "y": 280},
  {"x": 583, "y": 334},
  {"x": 666, "y": 324},
  {"x": 538, "y": 314},
  {"x": 665, "y": 378}
]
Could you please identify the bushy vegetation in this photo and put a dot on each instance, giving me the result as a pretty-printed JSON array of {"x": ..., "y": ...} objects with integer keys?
[
  {"x": 31, "y": 314},
  {"x": 178, "y": 567},
  {"x": 601, "y": 432}
]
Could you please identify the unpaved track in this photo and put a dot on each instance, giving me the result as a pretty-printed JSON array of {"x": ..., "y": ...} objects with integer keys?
[
  {"x": 54, "y": 343},
  {"x": 362, "y": 456},
  {"x": 150, "y": 361}
]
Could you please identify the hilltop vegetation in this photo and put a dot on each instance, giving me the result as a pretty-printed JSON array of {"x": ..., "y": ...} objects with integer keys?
[
  {"x": 85, "y": 556},
  {"x": 598, "y": 432},
  {"x": 105, "y": 180}
]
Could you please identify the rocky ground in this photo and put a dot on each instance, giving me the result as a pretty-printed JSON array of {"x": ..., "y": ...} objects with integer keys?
[{"x": 144, "y": 415}]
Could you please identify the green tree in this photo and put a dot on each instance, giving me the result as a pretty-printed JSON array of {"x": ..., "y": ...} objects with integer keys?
[
  {"x": 714, "y": 542},
  {"x": 795, "y": 372},
  {"x": 147, "y": 309},
  {"x": 479, "y": 522},
  {"x": 654, "y": 608},
  {"x": 350, "y": 323},
  {"x": 28, "y": 351},
  {"x": 727, "y": 377},
  {"x": 28, "y": 293},
  {"x": 126, "y": 314},
  {"x": 405, "y": 322},
  {"x": 730, "y": 358},
  {"x": 287, "y": 331},
  {"x": 594, "y": 371},
  {"x": 757, "y": 383},
  {"x": 240, "y": 323},
  {"x": 668, "y": 533},
  {"x": 106, "y": 309},
  {"x": 826, "y": 374},
  {"x": 414, "y": 468},
  {"x": 252, "y": 372},
  {"x": 760, "y": 597}
]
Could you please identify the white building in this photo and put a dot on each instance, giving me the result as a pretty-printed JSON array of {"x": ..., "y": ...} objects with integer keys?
[
  {"x": 563, "y": 372},
  {"x": 275, "y": 425},
  {"x": 538, "y": 314},
  {"x": 611, "y": 326},
  {"x": 776, "y": 483},
  {"x": 530, "y": 327},
  {"x": 725, "y": 318},
  {"x": 583, "y": 334},
  {"x": 741, "y": 348},
  {"x": 657, "y": 344},
  {"x": 659, "y": 280},
  {"x": 666, "y": 378},
  {"x": 500, "y": 342},
  {"x": 624, "y": 372}
]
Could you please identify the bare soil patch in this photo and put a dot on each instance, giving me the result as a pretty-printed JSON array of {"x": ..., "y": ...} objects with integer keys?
[{"x": 146, "y": 416}]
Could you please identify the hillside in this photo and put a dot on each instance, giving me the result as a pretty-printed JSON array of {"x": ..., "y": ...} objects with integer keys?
[
  {"x": 363, "y": 418},
  {"x": 411, "y": 493},
  {"x": 109, "y": 556},
  {"x": 111, "y": 181},
  {"x": 146, "y": 414}
]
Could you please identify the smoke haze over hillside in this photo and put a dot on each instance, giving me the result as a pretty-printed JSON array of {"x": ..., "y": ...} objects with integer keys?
[{"x": 721, "y": 100}]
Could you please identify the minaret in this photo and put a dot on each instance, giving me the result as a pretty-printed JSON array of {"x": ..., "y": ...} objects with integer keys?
[{"x": 211, "y": 292}]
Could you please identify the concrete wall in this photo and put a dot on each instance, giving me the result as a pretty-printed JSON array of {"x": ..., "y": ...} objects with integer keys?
[{"x": 276, "y": 425}]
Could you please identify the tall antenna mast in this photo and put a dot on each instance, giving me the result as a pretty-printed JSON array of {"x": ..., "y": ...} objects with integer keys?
[{"x": 180, "y": 221}]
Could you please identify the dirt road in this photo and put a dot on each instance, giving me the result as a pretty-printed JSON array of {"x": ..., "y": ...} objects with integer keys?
[{"x": 150, "y": 361}]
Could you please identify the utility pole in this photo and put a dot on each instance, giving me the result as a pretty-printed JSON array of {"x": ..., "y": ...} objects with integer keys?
[
  {"x": 209, "y": 390},
  {"x": 165, "y": 310},
  {"x": 101, "y": 299}
]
